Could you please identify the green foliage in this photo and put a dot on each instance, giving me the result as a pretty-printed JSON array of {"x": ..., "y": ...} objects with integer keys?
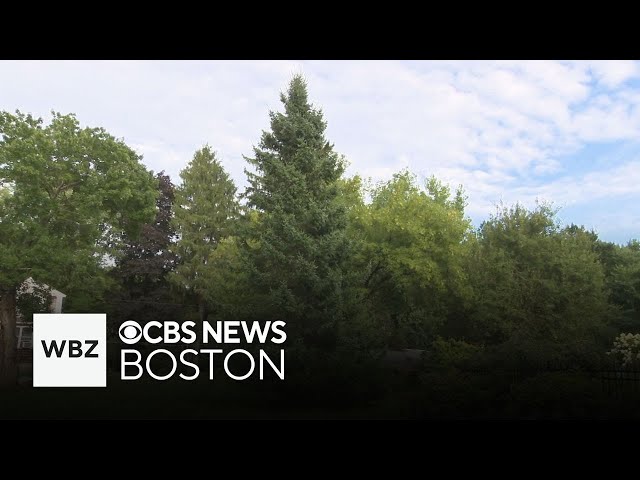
[
  {"x": 623, "y": 283},
  {"x": 73, "y": 191},
  {"x": 411, "y": 245},
  {"x": 453, "y": 352},
  {"x": 206, "y": 208},
  {"x": 140, "y": 287},
  {"x": 33, "y": 298},
  {"x": 539, "y": 289},
  {"x": 626, "y": 350},
  {"x": 353, "y": 268},
  {"x": 69, "y": 194},
  {"x": 297, "y": 245},
  {"x": 228, "y": 288}
]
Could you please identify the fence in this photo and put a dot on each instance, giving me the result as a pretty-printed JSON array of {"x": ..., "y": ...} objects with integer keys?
[
  {"x": 621, "y": 382},
  {"x": 616, "y": 381}
]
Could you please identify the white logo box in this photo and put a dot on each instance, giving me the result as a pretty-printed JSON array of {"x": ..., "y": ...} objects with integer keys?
[{"x": 76, "y": 344}]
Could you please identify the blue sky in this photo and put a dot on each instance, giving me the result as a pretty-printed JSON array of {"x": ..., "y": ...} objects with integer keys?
[{"x": 561, "y": 131}]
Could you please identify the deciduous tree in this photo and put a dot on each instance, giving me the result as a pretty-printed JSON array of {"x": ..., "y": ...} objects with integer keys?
[{"x": 69, "y": 194}]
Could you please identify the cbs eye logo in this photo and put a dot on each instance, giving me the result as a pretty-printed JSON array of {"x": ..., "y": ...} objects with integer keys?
[{"x": 130, "y": 332}]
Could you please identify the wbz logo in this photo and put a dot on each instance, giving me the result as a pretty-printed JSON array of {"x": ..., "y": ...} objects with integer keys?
[
  {"x": 69, "y": 350},
  {"x": 75, "y": 348}
]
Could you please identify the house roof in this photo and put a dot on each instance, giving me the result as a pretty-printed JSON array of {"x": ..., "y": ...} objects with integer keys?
[{"x": 56, "y": 293}]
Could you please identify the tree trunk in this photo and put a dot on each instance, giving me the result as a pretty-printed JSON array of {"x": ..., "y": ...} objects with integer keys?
[{"x": 8, "y": 347}]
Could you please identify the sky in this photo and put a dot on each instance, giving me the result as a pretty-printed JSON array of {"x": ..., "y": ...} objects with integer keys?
[{"x": 566, "y": 132}]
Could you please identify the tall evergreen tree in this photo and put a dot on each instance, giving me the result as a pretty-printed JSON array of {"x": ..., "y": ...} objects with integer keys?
[
  {"x": 205, "y": 209},
  {"x": 298, "y": 244}
]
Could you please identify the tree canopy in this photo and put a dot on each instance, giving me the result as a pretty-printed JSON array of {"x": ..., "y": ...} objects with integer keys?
[
  {"x": 357, "y": 270},
  {"x": 69, "y": 194}
]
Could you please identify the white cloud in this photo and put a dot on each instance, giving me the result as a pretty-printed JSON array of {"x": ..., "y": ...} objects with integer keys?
[
  {"x": 574, "y": 190},
  {"x": 612, "y": 73},
  {"x": 502, "y": 128}
]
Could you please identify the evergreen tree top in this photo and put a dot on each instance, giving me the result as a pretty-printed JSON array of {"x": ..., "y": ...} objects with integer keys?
[
  {"x": 296, "y": 99},
  {"x": 295, "y": 165}
]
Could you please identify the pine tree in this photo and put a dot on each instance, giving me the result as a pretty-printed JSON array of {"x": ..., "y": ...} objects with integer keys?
[
  {"x": 206, "y": 207},
  {"x": 298, "y": 244}
]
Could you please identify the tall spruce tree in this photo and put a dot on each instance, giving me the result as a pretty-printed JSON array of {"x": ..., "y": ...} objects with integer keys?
[
  {"x": 297, "y": 244},
  {"x": 205, "y": 209}
]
